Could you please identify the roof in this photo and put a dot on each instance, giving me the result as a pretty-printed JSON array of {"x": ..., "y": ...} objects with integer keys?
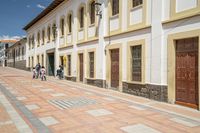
[{"x": 52, "y": 6}]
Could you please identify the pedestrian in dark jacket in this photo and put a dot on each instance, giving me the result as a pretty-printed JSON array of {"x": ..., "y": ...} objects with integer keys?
[{"x": 38, "y": 67}]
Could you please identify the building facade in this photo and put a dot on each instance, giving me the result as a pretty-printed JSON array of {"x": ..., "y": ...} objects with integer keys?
[
  {"x": 16, "y": 55},
  {"x": 4, "y": 45},
  {"x": 148, "y": 48}
]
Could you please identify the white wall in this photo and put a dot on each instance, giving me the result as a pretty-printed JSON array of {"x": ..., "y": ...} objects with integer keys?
[{"x": 155, "y": 36}]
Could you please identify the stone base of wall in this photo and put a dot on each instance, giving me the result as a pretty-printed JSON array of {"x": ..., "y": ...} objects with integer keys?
[
  {"x": 155, "y": 92},
  {"x": 10, "y": 64},
  {"x": 70, "y": 78},
  {"x": 18, "y": 64},
  {"x": 96, "y": 82}
]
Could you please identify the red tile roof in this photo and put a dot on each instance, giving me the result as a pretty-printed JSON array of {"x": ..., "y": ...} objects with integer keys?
[{"x": 8, "y": 41}]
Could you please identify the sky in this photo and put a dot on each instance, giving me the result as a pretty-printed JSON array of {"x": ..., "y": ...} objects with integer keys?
[{"x": 15, "y": 14}]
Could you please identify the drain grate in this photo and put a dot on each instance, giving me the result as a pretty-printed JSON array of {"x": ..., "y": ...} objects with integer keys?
[{"x": 72, "y": 103}]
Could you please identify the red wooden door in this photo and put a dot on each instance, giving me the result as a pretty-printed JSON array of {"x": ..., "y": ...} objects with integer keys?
[
  {"x": 187, "y": 72},
  {"x": 115, "y": 68},
  {"x": 81, "y": 67}
]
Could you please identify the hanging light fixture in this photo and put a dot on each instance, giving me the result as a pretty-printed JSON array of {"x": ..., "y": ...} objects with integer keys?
[{"x": 98, "y": 9}]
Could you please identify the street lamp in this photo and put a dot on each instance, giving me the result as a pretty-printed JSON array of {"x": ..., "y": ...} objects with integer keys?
[{"x": 98, "y": 9}]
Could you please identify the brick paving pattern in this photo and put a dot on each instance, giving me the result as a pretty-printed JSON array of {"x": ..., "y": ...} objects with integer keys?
[{"x": 62, "y": 106}]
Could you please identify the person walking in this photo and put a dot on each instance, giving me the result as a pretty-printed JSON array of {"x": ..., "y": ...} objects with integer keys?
[
  {"x": 61, "y": 72},
  {"x": 43, "y": 73},
  {"x": 34, "y": 73},
  {"x": 38, "y": 67}
]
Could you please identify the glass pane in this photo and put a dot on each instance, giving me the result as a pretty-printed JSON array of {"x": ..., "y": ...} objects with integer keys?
[
  {"x": 91, "y": 56},
  {"x": 115, "y": 7},
  {"x": 136, "y": 62},
  {"x": 92, "y": 12},
  {"x": 69, "y": 65},
  {"x": 137, "y": 3}
]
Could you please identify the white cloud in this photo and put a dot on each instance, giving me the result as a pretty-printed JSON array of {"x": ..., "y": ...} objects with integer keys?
[
  {"x": 28, "y": 6},
  {"x": 7, "y": 37},
  {"x": 41, "y": 6}
]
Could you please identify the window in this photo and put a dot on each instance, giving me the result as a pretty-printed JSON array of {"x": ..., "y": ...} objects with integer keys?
[
  {"x": 49, "y": 33},
  {"x": 92, "y": 12},
  {"x": 43, "y": 37},
  {"x": 38, "y": 59},
  {"x": 42, "y": 59},
  {"x": 136, "y": 3},
  {"x": 19, "y": 52},
  {"x": 29, "y": 61},
  {"x": 115, "y": 7},
  {"x": 33, "y": 42},
  {"x": 32, "y": 61},
  {"x": 38, "y": 39},
  {"x": 16, "y": 52},
  {"x": 62, "y": 26},
  {"x": 69, "y": 64},
  {"x": 136, "y": 63},
  {"x": 23, "y": 51},
  {"x": 54, "y": 31},
  {"x": 91, "y": 64},
  {"x": 81, "y": 17},
  {"x": 29, "y": 43},
  {"x": 70, "y": 23}
]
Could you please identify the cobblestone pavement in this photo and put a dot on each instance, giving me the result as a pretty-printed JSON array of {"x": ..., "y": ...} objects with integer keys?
[{"x": 61, "y": 106}]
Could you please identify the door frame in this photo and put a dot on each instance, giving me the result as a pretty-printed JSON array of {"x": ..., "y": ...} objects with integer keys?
[
  {"x": 171, "y": 59},
  {"x": 47, "y": 60},
  {"x": 78, "y": 65},
  {"x": 108, "y": 64}
]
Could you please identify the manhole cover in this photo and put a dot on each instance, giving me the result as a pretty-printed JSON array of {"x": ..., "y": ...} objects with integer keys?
[{"x": 71, "y": 103}]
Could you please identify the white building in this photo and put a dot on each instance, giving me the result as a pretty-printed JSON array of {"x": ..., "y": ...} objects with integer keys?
[
  {"x": 4, "y": 44},
  {"x": 16, "y": 54},
  {"x": 147, "y": 48}
]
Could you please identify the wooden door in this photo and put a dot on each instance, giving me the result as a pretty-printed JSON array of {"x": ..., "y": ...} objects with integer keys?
[
  {"x": 187, "y": 72},
  {"x": 115, "y": 68},
  {"x": 51, "y": 64},
  {"x": 81, "y": 67}
]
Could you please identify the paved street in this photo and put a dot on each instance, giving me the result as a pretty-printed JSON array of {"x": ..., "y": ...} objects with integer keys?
[{"x": 61, "y": 106}]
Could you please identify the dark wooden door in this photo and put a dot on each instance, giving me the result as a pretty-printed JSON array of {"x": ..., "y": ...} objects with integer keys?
[
  {"x": 115, "y": 68},
  {"x": 81, "y": 67},
  {"x": 187, "y": 72},
  {"x": 51, "y": 64}
]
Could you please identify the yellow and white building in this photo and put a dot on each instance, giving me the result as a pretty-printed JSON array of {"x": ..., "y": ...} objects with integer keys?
[{"x": 148, "y": 48}]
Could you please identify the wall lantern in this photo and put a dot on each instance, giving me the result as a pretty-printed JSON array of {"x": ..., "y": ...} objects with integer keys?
[{"x": 98, "y": 9}]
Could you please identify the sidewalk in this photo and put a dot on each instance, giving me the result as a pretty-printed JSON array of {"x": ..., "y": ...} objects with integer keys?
[
  {"x": 10, "y": 120},
  {"x": 62, "y": 106}
]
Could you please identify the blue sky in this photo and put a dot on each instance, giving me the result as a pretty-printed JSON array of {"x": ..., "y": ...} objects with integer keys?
[{"x": 15, "y": 14}]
